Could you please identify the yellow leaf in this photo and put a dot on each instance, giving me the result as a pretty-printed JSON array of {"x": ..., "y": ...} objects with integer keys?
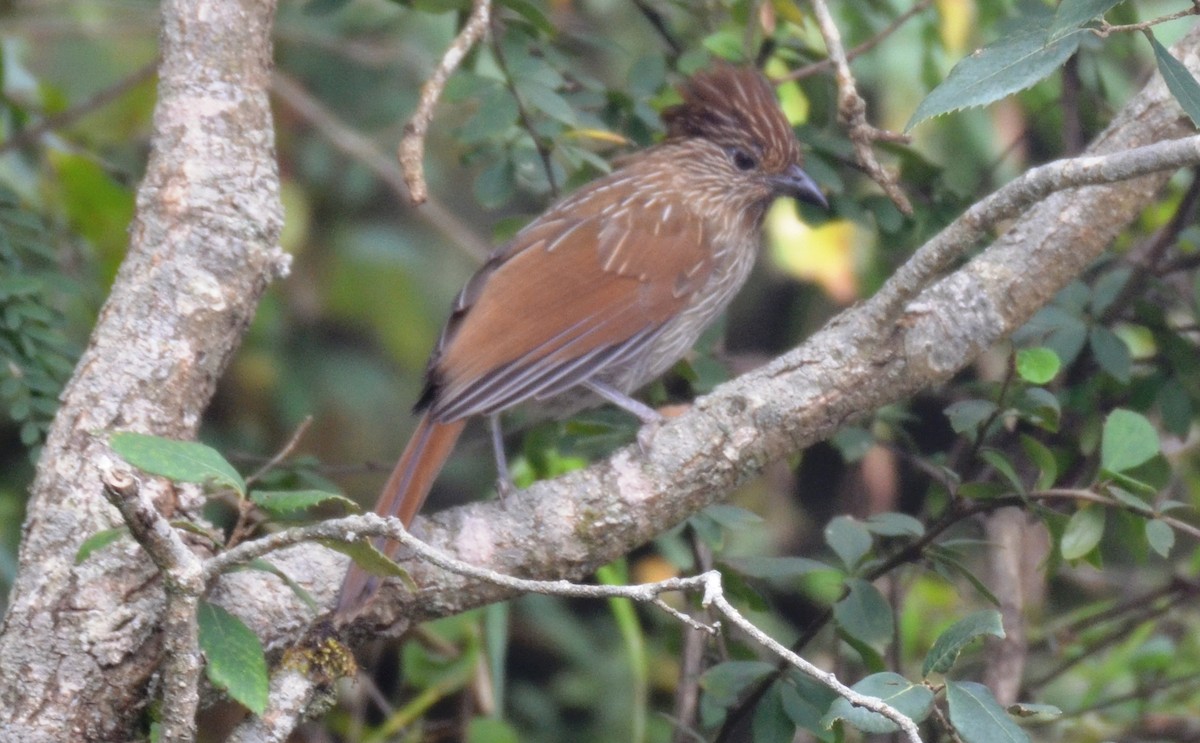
[
  {"x": 957, "y": 21},
  {"x": 601, "y": 135},
  {"x": 788, "y": 11},
  {"x": 823, "y": 255}
]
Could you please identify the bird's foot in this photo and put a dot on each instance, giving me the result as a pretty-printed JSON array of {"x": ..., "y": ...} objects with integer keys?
[
  {"x": 652, "y": 424},
  {"x": 646, "y": 434}
]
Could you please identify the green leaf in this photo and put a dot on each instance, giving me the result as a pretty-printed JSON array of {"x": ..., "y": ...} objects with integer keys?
[
  {"x": 496, "y": 116},
  {"x": 892, "y": 524},
  {"x": 235, "y": 656},
  {"x": 1111, "y": 353},
  {"x": 267, "y": 567},
  {"x": 776, "y": 568},
  {"x": 1107, "y": 288},
  {"x": 948, "y": 561},
  {"x": 1131, "y": 500},
  {"x": 495, "y": 185},
  {"x": 913, "y": 700},
  {"x": 966, "y": 416},
  {"x": 1072, "y": 14},
  {"x": 853, "y": 443},
  {"x": 181, "y": 461},
  {"x": 1083, "y": 532},
  {"x": 848, "y": 538},
  {"x": 98, "y": 206},
  {"x": 99, "y": 541},
  {"x": 805, "y": 702},
  {"x": 1057, "y": 328},
  {"x": 1000, "y": 463},
  {"x": 1040, "y": 407},
  {"x": 1015, "y": 61},
  {"x": 1161, "y": 537},
  {"x": 548, "y": 102},
  {"x": 1043, "y": 459},
  {"x": 726, "y": 681},
  {"x": 1038, "y": 365},
  {"x": 532, "y": 13},
  {"x": 368, "y": 557},
  {"x": 771, "y": 722},
  {"x": 950, "y": 643},
  {"x": 978, "y": 717},
  {"x": 285, "y": 503},
  {"x": 1128, "y": 440},
  {"x": 1175, "y": 406},
  {"x": 1179, "y": 80},
  {"x": 732, "y": 517},
  {"x": 491, "y": 730},
  {"x": 864, "y": 613}
]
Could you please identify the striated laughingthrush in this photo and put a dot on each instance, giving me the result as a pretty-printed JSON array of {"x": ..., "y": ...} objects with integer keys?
[{"x": 611, "y": 286}]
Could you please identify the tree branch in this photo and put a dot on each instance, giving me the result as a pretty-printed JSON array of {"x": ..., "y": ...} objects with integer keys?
[{"x": 80, "y": 643}]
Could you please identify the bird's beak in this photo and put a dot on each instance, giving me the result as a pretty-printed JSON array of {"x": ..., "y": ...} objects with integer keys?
[{"x": 796, "y": 183}]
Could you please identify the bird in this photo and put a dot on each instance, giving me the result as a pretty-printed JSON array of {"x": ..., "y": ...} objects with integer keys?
[{"x": 609, "y": 287}]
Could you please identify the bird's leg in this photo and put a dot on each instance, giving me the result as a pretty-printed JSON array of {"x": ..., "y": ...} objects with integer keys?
[
  {"x": 651, "y": 419},
  {"x": 504, "y": 483}
]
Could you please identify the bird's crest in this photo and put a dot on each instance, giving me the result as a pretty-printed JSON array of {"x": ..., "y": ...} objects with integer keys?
[{"x": 734, "y": 106}]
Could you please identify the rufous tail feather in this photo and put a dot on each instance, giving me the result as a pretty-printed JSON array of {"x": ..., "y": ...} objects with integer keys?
[{"x": 402, "y": 497}]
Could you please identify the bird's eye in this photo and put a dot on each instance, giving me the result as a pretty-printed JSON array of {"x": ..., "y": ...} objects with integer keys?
[{"x": 743, "y": 160}]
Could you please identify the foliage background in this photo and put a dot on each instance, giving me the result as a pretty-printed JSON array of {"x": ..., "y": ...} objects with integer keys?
[{"x": 345, "y": 338}]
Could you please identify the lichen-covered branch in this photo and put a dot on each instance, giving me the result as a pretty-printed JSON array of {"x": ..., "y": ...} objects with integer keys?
[{"x": 80, "y": 643}]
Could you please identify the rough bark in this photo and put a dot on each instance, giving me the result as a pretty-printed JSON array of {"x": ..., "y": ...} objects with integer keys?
[{"x": 80, "y": 643}]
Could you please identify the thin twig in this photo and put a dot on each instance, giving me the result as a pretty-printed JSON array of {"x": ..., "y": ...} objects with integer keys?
[
  {"x": 1103, "y": 500},
  {"x": 523, "y": 114},
  {"x": 367, "y": 153},
  {"x": 245, "y": 507},
  {"x": 65, "y": 118},
  {"x": 852, "y": 110},
  {"x": 825, "y": 64},
  {"x": 412, "y": 145},
  {"x": 1107, "y": 28},
  {"x": 372, "y": 525},
  {"x": 283, "y": 453},
  {"x": 659, "y": 24},
  {"x": 687, "y": 690},
  {"x": 715, "y": 597}
]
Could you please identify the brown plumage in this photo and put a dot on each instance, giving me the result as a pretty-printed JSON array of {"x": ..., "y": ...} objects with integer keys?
[{"x": 611, "y": 286}]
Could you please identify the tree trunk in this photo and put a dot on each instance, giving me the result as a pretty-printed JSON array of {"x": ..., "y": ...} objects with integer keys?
[{"x": 80, "y": 643}]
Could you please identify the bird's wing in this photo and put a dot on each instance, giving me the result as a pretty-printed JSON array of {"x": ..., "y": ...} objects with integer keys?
[{"x": 585, "y": 287}]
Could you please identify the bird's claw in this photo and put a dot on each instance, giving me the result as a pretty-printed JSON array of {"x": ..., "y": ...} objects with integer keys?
[{"x": 646, "y": 434}]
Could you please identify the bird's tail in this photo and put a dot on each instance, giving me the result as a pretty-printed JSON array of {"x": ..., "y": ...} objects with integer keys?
[{"x": 402, "y": 497}]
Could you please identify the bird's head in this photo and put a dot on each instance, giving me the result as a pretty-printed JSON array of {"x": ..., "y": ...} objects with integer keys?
[{"x": 743, "y": 142}]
